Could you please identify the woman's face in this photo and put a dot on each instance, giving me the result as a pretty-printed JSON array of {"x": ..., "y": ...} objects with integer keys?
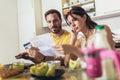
[{"x": 76, "y": 22}]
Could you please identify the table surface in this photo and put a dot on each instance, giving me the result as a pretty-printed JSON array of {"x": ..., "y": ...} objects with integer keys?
[{"x": 78, "y": 74}]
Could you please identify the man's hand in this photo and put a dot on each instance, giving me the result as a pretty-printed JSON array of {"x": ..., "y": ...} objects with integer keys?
[
  {"x": 24, "y": 55},
  {"x": 33, "y": 54}
]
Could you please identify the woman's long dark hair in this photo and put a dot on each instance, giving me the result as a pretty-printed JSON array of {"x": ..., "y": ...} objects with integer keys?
[{"x": 81, "y": 12}]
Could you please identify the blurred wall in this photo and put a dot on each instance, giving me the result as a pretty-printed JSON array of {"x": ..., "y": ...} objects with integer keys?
[{"x": 9, "y": 46}]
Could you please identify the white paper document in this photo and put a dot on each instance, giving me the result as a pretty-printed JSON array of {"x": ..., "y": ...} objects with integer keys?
[{"x": 45, "y": 43}]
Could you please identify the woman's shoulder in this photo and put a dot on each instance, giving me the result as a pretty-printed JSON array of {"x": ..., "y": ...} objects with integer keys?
[
  {"x": 109, "y": 36},
  {"x": 107, "y": 28}
]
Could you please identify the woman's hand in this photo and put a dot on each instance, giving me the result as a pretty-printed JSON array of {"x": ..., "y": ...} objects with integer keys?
[
  {"x": 74, "y": 34},
  {"x": 67, "y": 49},
  {"x": 70, "y": 52}
]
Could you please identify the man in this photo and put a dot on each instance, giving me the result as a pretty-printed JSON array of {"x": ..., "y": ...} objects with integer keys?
[
  {"x": 57, "y": 34},
  {"x": 54, "y": 22}
]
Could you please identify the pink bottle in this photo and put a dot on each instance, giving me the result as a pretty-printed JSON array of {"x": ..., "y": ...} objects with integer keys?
[{"x": 93, "y": 61}]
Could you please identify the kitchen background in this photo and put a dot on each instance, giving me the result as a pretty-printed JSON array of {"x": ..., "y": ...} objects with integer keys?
[{"x": 20, "y": 20}]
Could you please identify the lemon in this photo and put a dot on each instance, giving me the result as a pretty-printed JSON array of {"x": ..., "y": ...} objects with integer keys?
[
  {"x": 0, "y": 78},
  {"x": 1, "y": 67}
]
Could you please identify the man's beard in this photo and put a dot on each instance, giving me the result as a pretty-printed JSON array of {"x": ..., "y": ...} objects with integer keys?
[{"x": 56, "y": 31}]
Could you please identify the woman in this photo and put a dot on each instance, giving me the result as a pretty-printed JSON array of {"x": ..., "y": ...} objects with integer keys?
[{"x": 79, "y": 21}]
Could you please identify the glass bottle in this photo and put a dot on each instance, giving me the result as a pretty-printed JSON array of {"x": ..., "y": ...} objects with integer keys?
[
  {"x": 100, "y": 38},
  {"x": 102, "y": 42}
]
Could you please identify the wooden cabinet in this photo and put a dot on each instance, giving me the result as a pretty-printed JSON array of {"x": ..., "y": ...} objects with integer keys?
[
  {"x": 88, "y": 5},
  {"x": 104, "y": 7}
]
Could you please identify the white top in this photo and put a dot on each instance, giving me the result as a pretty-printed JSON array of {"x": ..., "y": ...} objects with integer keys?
[{"x": 85, "y": 43}]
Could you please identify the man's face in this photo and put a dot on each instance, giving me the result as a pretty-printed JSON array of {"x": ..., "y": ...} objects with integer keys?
[{"x": 54, "y": 23}]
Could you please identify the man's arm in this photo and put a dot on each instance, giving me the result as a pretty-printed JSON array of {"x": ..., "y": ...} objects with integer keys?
[{"x": 35, "y": 56}]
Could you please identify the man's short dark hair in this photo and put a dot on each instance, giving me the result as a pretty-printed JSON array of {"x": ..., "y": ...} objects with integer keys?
[{"x": 51, "y": 11}]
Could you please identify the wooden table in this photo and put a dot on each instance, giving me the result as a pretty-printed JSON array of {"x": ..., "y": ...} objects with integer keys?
[{"x": 78, "y": 74}]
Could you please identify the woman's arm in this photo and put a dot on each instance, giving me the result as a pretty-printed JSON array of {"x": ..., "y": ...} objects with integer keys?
[
  {"x": 109, "y": 37},
  {"x": 73, "y": 37},
  {"x": 67, "y": 49}
]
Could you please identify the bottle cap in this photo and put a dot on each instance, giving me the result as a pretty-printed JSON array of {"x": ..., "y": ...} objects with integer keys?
[{"x": 99, "y": 27}]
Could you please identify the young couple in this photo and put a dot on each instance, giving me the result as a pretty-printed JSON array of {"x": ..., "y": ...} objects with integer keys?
[{"x": 67, "y": 43}]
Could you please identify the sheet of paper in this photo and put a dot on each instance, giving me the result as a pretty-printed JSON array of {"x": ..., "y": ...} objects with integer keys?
[{"x": 45, "y": 43}]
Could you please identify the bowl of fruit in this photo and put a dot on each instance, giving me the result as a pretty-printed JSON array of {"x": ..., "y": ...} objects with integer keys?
[
  {"x": 74, "y": 65},
  {"x": 44, "y": 70}
]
